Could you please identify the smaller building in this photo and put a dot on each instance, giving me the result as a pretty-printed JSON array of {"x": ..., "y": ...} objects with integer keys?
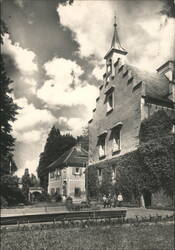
[{"x": 67, "y": 174}]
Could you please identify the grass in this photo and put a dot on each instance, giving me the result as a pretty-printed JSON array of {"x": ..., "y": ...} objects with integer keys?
[{"x": 142, "y": 237}]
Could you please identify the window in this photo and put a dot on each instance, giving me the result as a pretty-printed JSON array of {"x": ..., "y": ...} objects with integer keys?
[
  {"x": 110, "y": 101},
  {"x": 109, "y": 67},
  {"x": 116, "y": 138},
  {"x": 57, "y": 173},
  {"x": 116, "y": 141},
  {"x": 52, "y": 174},
  {"x": 77, "y": 171},
  {"x": 101, "y": 146},
  {"x": 52, "y": 191},
  {"x": 77, "y": 192},
  {"x": 58, "y": 190},
  {"x": 99, "y": 172},
  {"x": 113, "y": 175}
]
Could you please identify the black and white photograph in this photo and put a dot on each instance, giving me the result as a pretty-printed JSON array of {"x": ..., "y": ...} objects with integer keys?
[{"x": 87, "y": 111}]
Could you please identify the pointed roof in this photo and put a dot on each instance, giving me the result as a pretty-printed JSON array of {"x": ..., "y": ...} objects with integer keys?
[
  {"x": 116, "y": 45},
  {"x": 73, "y": 157},
  {"x": 115, "y": 40}
]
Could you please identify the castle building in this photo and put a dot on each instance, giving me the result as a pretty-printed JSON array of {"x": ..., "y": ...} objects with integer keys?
[
  {"x": 67, "y": 174},
  {"x": 126, "y": 97}
]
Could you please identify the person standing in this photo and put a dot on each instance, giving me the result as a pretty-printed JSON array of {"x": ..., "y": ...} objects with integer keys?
[
  {"x": 115, "y": 200},
  {"x": 120, "y": 199},
  {"x": 104, "y": 201}
]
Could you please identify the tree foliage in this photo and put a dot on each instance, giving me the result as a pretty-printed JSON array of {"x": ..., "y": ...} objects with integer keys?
[
  {"x": 84, "y": 139},
  {"x": 8, "y": 111},
  {"x": 55, "y": 146},
  {"x": 10, "y": 191},
  {"x": 91, "y": 182},
  {"x": 106, "y": 186},
  {"x": 151, "y": 166},
  {"x": 26, "y": 183}
]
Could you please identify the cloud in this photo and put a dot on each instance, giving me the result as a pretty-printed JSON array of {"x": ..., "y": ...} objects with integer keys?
[
  {"x": 19, "y": 3},
  {"x": 64, "y": 87},
  {"x": 162, "y": 45},
  {"x": 31, "y": 165},
  {"x": 72, "y": 125},
  {"x": 98, "y": 72},
  {"x": 24, "y": 58},
  {"x": 32, "y": 123},
  {"x": 91, "y": 23},
  {"x": 144, "y": 29}
]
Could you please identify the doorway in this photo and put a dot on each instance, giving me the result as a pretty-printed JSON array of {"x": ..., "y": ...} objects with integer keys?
[{"x": 147, "y": 198}]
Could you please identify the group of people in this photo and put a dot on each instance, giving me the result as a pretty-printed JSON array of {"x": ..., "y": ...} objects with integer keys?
[{"x": 116, "y": 200}]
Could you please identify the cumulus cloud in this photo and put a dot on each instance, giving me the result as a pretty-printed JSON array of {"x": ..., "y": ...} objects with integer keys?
[
  {"x": 144, "y": 30},
  {"x": 31, "y": 165},
  {"x": 24, "y": 58},
  {"x": 91, "y": 23},
  {"x": 64, "y": 87},
  {"x": 98, "y": 72},
  {"x": 72, "y": 125},
  {"x": 31, "y": 122},
  {"x": 162, "y": 45},
  {"x": 19, "y": 3}
]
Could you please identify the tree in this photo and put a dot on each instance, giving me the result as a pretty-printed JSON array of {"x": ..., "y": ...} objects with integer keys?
[
  {"x": 34, "y": 182},
  {"x": 26, "y": 182},
  {"x": 55, "y": 146},
  {"x": 10, "y": 191},
  {"x": 8, "y": 112},
  {"x": 84, "y": 139}
]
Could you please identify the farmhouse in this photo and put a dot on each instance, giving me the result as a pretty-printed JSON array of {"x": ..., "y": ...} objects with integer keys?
[
  {"x": 127, "y": 96},
  {"x": 67, "y": 174}
]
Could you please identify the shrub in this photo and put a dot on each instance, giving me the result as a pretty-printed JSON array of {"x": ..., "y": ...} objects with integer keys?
[{"x": 3, "y": 201}]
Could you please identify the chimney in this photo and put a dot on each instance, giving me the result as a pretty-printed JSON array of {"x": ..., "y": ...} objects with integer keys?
[{"x": 168, "y": 70}]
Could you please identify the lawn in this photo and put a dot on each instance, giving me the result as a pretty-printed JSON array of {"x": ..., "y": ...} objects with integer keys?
[{"x": 142, "y": 237}]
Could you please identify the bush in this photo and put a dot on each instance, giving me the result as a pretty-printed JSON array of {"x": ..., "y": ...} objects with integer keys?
[
  {"x": 45, "y": 197},
  {"x": 10, "y": 191},
  {"x": 3, "y": 202},
  {"x": 58, "y": 197}
]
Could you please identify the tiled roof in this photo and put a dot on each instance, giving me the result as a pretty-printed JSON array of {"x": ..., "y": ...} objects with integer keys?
[
  {"x": 156, "y": 85},
  {"x": 72, "y": 157}
]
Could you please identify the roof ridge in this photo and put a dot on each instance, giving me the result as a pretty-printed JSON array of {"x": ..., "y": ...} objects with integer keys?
[{"x": 71, "y": 151}]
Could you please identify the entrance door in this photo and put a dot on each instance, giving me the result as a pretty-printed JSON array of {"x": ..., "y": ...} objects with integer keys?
[{"x": 147, "y": 198}]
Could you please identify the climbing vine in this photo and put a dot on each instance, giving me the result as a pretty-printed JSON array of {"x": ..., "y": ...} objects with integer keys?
[{"x": 150, "y": 167}]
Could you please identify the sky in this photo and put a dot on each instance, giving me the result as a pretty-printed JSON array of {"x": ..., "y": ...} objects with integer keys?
[{"x": 55, "y": 56}]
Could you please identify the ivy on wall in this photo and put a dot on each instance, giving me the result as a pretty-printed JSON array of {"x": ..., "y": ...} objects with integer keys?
[
  {"x": 150, "y": 167},
  {"x": 91, "y": 182},
  {"x": 106, "y": 186}
]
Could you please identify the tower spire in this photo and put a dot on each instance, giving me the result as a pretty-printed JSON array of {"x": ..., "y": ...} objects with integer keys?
[
  {"x": 115, "y": 40},
  {"x": 116, "y": 46}
]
